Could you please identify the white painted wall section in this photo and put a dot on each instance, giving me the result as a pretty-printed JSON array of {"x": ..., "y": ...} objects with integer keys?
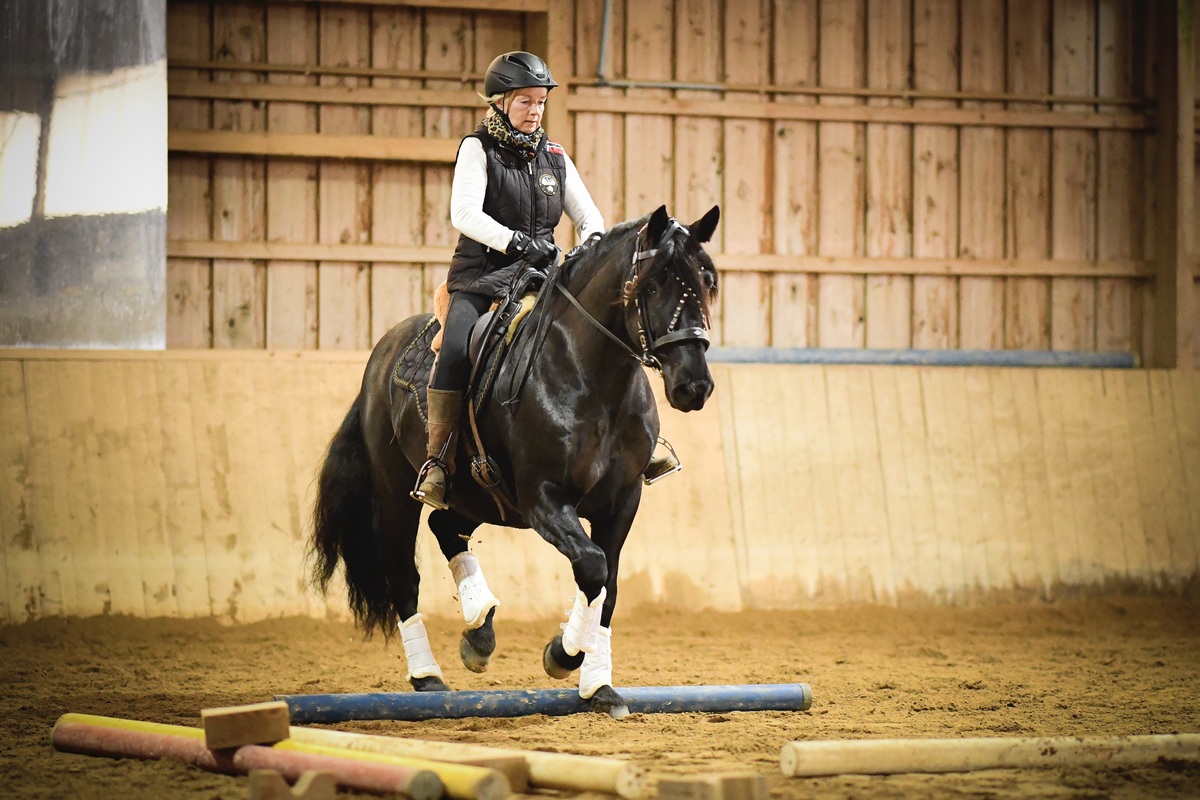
[
  {"x": 20, "y": 133},
  {"x": 107, "y": 149}
]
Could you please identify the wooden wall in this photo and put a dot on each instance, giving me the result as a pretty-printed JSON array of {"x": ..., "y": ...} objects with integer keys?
[
  {"x": 927, "y": 173},
  {"x": 179, "y": 484}
]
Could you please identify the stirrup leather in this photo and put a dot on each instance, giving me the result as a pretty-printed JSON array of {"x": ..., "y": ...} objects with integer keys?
[{"x": 661, "y": 467}]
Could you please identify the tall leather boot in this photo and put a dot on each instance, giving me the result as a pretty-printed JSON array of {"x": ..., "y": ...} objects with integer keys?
[{"x": 445, "y": 406}]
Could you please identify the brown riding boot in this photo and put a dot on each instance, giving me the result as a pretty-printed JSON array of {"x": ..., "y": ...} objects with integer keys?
[
  {"x": 445, "y": 405},
  {"x": 662, "y": 466}
]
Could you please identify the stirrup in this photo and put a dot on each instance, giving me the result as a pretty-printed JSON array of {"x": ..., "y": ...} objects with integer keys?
[
  {"x": 418, "y": 494},
  {"x": 667, "y": 465}
]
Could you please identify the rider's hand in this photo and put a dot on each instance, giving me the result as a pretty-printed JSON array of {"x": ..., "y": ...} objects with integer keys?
[{"x": 535, "y": 251}]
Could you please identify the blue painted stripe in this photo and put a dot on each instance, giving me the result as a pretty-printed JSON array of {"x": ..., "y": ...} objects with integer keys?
[
  {"x": 936, "y": 358},
  {"x": 415, "y": 706}
]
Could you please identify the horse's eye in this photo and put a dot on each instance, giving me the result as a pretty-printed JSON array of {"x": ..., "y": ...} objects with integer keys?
[{"x": 710, "y": 279}]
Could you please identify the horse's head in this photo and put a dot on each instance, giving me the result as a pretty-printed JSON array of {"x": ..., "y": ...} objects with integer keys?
[{"x": 671, "y": 283}]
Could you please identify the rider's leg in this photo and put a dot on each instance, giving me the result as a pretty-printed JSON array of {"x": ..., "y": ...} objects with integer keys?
[{"x": 445, "y": 395}]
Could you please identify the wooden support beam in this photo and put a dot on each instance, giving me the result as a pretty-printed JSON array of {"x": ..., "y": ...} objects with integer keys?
[
  {"x": 1174, "y": 292},
  {"x": 746, "y": 109},
  {"x": 234, "y": 726},
  {"x": 311, "y": 251},
  {"x": 343, "y": 95},
  {"x": 303, "y": 145},
  {"x": 515, "y": 6}
]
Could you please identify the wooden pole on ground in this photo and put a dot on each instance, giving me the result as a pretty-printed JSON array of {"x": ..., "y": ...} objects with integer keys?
[
  {"x": 546, "y": 770},
  {"x": 894, "y": 756}
]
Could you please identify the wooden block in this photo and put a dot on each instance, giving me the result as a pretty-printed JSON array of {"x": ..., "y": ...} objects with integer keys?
[
  {"x": 514, "y": 768},
  {"x": 234, "y": 726},
  {"x": 267, "y": 784},
  {"x": 734, "y": 786}
]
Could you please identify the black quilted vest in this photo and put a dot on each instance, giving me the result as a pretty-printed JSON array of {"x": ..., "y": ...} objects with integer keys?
[{"x": 523, "y": 195}]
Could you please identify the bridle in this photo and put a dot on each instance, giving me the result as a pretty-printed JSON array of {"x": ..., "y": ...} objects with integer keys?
[{"x": 650, "y": 344}]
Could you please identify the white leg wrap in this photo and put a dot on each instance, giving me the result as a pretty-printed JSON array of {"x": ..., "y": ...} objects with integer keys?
[
  {"x": 473, "y": 592},
  {"x": 597, "y": 665},
  {"x": 582, "y": 629},
  {"x": 417, "y": 653}
]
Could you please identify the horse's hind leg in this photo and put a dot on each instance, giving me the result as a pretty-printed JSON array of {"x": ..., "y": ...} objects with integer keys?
[{"x": 478, "y": 603}]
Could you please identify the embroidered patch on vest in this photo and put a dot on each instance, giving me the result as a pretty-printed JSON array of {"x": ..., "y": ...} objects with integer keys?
[
  {"x": 554, "y": 147},
  {"x": 548, "y": 184}
]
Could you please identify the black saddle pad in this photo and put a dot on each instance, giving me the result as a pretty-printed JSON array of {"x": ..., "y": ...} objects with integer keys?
[{"x": 411, "y": 372}]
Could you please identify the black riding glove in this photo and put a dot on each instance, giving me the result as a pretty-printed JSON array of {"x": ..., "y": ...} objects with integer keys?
[{"x": 537, "y": 252}]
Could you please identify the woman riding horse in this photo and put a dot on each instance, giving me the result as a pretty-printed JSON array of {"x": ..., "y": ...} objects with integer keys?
[{"x": 511, "y": 186}]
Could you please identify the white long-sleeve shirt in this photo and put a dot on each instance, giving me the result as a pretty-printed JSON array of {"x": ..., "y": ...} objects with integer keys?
[{"x": 470, "y": 186}]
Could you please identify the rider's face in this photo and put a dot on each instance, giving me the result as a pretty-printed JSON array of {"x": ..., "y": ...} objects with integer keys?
[{"x": 525, "y": 108}]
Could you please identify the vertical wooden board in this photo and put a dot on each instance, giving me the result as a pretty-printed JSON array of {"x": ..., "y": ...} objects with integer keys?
[
  {"x": 1022, "y": 574},
  {"x": 215, "y": 476},
  {"x": 18, "y": 547},
  {"x": 927, "y": 547},
  {"x": 943, "y": 432},
  {"x": 1061, "y": 477},
  {"x": 962, "y": 476},
  {"x": 1073, "y": 177},
  {"x": 184, "y": 512},
  {"x": 140, "y": 382},
  {"x": 889, "y": 177},
  {"x": 776, "y": 567},
  {"x": 1044, "y": 535},
  {"x": 878, "y": 542},
  {"x": 599, "y": 142},
  {"x": 855, "y": 473},
  {"x": 822, "y": 450},
  {"x": 47, "y": 586},
  {"x": 111, "y": 472},
  {"x": 649, "y": 152},
  {"x": 1027, "y": 312},
  {"x": 746, "y": 167},
  {"x": 397, "y": 290},
  {"x": 597, "y": 139},
  {"x": 278, "y": 533},
  {"x": 1126, "y": 496},
  {"x": 894, "y": 477},
  {"x": 238, "y": 187},
  {"x": 1183, "y": 536},
  {"x": 291, "y": 204},
  {"x": 1151, "y": 481},
  {"x": 1089, "y": 412},
  {"x": 344, "y": 208},
  {"x": 701, "y": 156},
  {"x": 841, "y": 178},
  {"x": 794, "y": 180},
  {"x": 189, "y": 209},
  {"x": 981, "y": 194},
  {"x": 935, "y": 195},
  {"x": 995, "y": 526},
  {"x": 1186, "y": 390}
]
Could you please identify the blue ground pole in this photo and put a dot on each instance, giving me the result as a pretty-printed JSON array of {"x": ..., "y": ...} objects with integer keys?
[{"x": 415, "y": 706}]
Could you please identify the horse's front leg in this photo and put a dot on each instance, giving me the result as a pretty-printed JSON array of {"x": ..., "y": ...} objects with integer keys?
[
  {"x": 596, "y": 675},
  {"x": 452, "y": 531}
]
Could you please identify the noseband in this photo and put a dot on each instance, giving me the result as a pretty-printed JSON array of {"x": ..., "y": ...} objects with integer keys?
[{"x": 651, "y": 345}]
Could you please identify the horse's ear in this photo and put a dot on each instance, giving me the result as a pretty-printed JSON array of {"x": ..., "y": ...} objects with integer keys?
[
  {"x": 659, "y": 221},
  {"x": 702, "y": 229}
]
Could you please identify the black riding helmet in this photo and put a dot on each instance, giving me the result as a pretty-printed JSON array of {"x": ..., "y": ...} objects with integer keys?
[{"x": 516, "y": 70}]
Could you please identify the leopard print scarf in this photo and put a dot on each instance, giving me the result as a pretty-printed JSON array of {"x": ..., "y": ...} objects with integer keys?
[{"x": 525, "y": 144}]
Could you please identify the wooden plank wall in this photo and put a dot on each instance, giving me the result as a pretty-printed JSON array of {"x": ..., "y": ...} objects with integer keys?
[
  {"x": 931, "y": 174},
  {"x": 180, "y": 484}
]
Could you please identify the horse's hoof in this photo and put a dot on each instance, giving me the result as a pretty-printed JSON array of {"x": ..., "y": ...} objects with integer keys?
[
  {"x": 557, "y": 663},
  {"x": 478, "y": 644},
  {"x": 607, "y": 701},
  {"x": 430, "y": 683}
]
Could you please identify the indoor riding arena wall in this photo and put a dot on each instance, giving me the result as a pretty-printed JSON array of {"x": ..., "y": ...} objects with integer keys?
[{"x": 180, "y": 484}]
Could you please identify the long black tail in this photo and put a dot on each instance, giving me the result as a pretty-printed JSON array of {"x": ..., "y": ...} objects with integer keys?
[{"x": 345, "y": 527}]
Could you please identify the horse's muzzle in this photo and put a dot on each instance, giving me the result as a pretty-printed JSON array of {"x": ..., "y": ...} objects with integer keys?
[{"x": 690, "y": 395}]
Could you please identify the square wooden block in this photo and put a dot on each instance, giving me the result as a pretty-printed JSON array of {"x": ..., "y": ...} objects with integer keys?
[
  {"x": 720, "y": 786},
  {"x": 234, "y": 726}
]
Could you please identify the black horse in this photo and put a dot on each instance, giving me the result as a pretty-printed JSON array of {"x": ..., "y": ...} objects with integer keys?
[{"x": 572, "y": 439}]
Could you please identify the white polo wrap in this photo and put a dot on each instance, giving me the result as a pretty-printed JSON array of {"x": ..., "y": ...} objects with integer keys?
[
  {"x": 417, "y": 653},
  {"x": 597, "y": 665},
  {"x": 582, "y": 629},
  {"x": 473, "y": 592}
]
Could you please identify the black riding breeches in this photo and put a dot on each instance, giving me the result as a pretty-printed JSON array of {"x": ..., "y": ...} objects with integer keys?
[{"x": 453, "y": 364}]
